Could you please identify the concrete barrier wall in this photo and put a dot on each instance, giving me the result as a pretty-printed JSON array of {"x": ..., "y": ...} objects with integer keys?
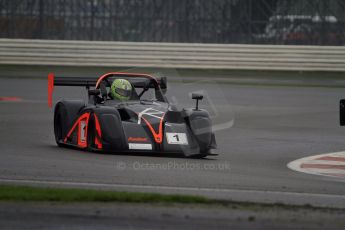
[{"x": 172, "y": 55}]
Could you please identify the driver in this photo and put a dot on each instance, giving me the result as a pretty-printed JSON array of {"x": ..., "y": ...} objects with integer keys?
[{"x": 121, "y": 89}]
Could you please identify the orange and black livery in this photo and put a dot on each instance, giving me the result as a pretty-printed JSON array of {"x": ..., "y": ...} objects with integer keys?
[{"x": 146, "y": 122}]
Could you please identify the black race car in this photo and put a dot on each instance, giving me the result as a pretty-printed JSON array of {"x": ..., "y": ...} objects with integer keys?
[{"x": 144, "y": 123}]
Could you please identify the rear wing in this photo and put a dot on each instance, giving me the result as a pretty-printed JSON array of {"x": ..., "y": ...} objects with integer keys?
[
  {"x": 67, "y": 81},
  {"x": 92, "y": 82}
]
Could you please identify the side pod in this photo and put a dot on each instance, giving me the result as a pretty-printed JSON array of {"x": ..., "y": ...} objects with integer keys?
[{"x": 112, "y": 134}]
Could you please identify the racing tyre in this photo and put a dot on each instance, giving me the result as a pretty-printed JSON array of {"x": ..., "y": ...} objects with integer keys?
[{"x": 59, "y": 114}]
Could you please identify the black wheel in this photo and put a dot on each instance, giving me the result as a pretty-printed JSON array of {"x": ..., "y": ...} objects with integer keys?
[
  {"x": 64, "y": 115},
  {"x": 58, "y": 124}
]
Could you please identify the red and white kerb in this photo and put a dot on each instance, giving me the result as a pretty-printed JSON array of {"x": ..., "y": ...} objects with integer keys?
[{"x": 330, "y": 164}]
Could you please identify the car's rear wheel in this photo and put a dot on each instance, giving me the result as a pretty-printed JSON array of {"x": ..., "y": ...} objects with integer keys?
[
  {"x": 58, "y": 125},
  {"x": 65, "y": 113}
]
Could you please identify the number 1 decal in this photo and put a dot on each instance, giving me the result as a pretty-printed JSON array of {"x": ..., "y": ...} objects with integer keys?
[{"x": 177, "y": 138}]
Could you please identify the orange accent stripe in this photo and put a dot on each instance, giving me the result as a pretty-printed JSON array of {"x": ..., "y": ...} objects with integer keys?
[
  {"x": 123, "y": 74},
  {"x": 157, "y": 136},
  {"x": 323, "y": 166},
  {"x": 98, "y": 137},
  {"x": 86, "y": 117},
  {"x": 329, "y": 158}
]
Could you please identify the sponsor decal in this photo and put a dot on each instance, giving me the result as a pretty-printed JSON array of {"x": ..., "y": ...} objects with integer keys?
[
  {"x": 177, "y": 138},
  {"x": 137, "y": 139},
  {"x": 82, "y": 131},
  {"x": 140, "y": 146}
]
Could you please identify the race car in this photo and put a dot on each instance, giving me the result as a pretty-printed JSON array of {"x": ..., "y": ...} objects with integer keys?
[{"x": 144, "y": 122}]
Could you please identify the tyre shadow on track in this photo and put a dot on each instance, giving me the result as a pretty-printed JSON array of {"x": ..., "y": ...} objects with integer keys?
[{"x": 141, "y": 154}]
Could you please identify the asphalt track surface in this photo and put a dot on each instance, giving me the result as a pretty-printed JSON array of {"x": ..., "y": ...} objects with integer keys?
[
  {"x": 271, "y": 126},
  {"x": 142, "y": 216}
]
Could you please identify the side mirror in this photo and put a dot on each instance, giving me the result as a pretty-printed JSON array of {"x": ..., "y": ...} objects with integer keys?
[
  {"x": 342, "y": 112},
  {"x": 164, "y": 84},
  {"x": 197, "y": 97},
  {"x": 94, "y": 92},
  {"x": 103, "y": 90}
]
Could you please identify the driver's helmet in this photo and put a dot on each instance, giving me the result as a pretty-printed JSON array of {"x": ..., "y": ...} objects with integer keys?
[{"x": 121, "y": 89}]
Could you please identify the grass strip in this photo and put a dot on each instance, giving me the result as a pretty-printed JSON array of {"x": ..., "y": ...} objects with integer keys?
[
  {"x": 18, "y": 193},
  {"x": 26, "y": 193}
]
